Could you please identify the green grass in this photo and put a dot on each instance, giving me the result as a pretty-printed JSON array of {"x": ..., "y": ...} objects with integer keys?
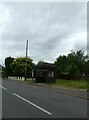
[
  {"x": 30, "y": 80},
  {"x": 79, "y": 84}
]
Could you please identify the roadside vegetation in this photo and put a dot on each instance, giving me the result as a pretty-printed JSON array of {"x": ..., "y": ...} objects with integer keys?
[
  {"x": 71, "y": 70},
  {"x": 0, "y": 68},
  {"x": 77, "y": 84}
]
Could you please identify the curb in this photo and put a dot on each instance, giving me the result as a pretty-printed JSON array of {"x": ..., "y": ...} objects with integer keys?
[{"x": 56, "y": 91}]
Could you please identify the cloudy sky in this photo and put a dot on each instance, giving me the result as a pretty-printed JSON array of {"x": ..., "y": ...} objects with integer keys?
[{"x": 52, "y": 29}]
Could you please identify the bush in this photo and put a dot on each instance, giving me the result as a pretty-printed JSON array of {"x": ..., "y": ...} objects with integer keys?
[{"x": 69, "y": 76}]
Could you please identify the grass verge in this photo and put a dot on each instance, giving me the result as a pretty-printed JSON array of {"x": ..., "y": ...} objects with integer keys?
[{"x": 77, "y": 84}]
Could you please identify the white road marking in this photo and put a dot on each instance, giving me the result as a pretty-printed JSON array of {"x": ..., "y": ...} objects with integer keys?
[
  {"x": 3, "y": 87},
  {"x": 33, "y": 104}
]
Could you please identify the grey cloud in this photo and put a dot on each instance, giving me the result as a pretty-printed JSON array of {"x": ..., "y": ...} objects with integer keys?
[
  {"x": 80, "y": 46},
  {"x": 81, "y": 43},
  {"x": 47, "y": 26}
]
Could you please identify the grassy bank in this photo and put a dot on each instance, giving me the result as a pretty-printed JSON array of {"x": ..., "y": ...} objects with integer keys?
[{"x": 77, "y": 84}]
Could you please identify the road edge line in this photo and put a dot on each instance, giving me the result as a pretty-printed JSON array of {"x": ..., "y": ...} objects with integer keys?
[
  {"x": 38, "y": 107},
  {"x": 3, "y": 87}
]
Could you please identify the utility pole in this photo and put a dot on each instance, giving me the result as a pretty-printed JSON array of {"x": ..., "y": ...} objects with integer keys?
[{"x": 26, "y": 60}]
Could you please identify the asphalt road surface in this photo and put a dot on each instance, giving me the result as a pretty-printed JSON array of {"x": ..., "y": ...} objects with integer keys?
[{"x": 20, "y": 100}]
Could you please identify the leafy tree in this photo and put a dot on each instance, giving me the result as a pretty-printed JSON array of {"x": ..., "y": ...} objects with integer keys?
[
  {"x": 86, "y": 68},
  {"x": 0, "y": 69},
  {"x": 61, "y": 64},
  {"x": 72, "y": 64},
  {"x": 73, "y": 71},
  {"x": 8, "y": 61},
  {"x": 19, "y": 65},
  {"x": 78, "y": 58},
  {"x": 41, "y": 62}
]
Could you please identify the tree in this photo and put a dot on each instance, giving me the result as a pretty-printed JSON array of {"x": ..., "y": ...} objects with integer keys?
[
  {"x": 60, "y": 64},
  {"x": 86, "y": 68},
  {"x": 72, "y": 71},
  {"x": 0, "y": 69},
  {"x": 19, "y": 64},
  {"x": 8, "y": 61},
  {"x": 41, "y": 62},
  {"x": 78, "y": 58},
  {"x": 72, "y": 64}
]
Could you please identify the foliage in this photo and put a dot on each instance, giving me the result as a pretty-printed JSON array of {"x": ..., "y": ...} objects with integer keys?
[
  {"x": 41, "y": 62},
  {"x": 73, "y": 65},
  {"x": 62, "y": 62},
  {"x": 0, "y": 69},
  {"x": 86, "y": 68},
  {"x": 17, "y": 66},
  {"x": 7, "y": 69},
  {"x": 80, "y": 84},
  {"x": 21, "y": 64}
]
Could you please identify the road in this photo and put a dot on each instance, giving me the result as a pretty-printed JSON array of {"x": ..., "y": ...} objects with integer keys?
[{"x": 20, "y": 100}]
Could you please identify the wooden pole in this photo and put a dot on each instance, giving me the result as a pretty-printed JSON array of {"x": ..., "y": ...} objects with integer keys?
[{"x": 26, "y": 60}]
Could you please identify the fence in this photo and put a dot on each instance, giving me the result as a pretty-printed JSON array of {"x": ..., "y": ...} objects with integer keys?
[{"x": 16, "y": 78}]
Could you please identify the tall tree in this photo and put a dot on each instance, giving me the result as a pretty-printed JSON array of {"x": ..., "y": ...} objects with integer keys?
[
  {"x": 0, "y": 69},
  {"x": 86, "y": 68},
  {"x": 61, "y": 63},
  {"x": 19, "y": 64},
  {"x": 8, "y": 61},
  {"x": 78, "y": 58},
  {"x": 72, "y": 64}
]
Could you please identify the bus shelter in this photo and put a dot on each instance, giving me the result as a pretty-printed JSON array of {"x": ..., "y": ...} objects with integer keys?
[{"x": 45, "y": 73}]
